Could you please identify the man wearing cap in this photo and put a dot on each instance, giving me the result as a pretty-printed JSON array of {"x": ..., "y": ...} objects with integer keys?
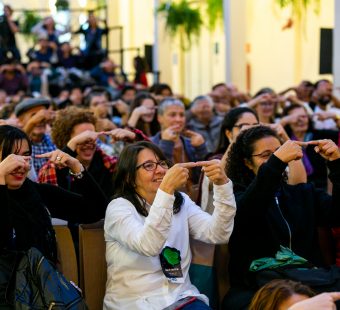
[{"x": 33, "y": 116}]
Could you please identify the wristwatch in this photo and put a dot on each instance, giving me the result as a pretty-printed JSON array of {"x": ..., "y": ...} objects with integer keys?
[{"x": 79, "y": 174}]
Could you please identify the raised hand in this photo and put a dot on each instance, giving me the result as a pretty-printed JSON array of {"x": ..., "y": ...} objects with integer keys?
[
  {"x": 289, "y": 119},
  {"x": 42, "y": 116},
  {"x": 322, "y": 116},
  {"x": 138, "y": 113},
  {"x": 196, "y": 139},
  {"x": 119, "y": 134},
  {"x": 259, "y": 99},
  {"x": 100, "y": 111},
  {"x": 13, "y": 163},
  {"x": 87, "y": 136},
  {"x": 214, "y": 171},
  {"x": 171, "y": 133},
  {"x": 176, "y": 177},
  {"x": 280, "y": 131},
  {"x": 290, "y": 150},
  {"x": 62, "y": 160},
  {"x": 121, "y": 107},
  {"x": 326, "y": 148},
  {"x": 143, "y": 110},
  {"x": 324, "y": 301}
]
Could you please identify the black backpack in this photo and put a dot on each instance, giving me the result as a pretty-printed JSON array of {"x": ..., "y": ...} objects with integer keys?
[{"x": 39, "y": 285}]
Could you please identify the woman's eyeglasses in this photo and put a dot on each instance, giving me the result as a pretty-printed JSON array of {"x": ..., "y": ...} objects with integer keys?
[
  {"x": 152, "y": 165},
  {"x": 263, "y": 155}
]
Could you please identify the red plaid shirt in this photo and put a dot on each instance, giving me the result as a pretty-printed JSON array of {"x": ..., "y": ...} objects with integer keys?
[{"x": 48, "y": 173}]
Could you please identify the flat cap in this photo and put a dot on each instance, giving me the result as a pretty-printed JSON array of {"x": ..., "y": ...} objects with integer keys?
[{"x": 30, "y": 103}]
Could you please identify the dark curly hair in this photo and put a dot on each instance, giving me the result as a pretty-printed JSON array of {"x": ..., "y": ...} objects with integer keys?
[
  {"x": 125, "y": 177},
  {"x": 65, "y": 121},
  {"x": 242, "y": 150}
]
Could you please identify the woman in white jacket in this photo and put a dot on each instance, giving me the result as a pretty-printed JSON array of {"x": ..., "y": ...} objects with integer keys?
[{"x": 147, "y": 230}]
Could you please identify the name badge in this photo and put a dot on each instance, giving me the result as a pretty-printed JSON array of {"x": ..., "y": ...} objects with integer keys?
[{"x": 170, "y": 259}]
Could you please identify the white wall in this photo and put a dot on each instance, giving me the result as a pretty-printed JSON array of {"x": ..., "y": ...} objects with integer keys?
[{"x": 281, "y": 58}]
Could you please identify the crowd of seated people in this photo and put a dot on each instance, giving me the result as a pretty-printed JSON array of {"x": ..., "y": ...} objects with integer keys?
[{"x": 80, "y": 142}]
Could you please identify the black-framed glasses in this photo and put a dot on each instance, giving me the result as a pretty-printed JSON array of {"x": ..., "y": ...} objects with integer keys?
[
  {"x": 264, "y": 155},
  {"x": 241, "y": 125},
  {"x": 152, "y": 165}
]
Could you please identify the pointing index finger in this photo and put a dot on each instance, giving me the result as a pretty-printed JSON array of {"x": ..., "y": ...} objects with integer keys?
[
  {"x": 203, "y": 163},
  {"x": 301, "y": 143},
  {"x": 188, "y": 165},
  {"x": 45, "y": 155},
  {"x": 335, "y": 295},
  {"x": 314, "y": 142}
]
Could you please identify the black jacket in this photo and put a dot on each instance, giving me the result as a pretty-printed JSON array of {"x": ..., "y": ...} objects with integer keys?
[
  {"x": 24, "y": 213},
  {"x": 265, "y": 209}
]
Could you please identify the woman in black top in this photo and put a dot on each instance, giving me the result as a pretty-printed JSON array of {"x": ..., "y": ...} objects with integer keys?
[
  {"x": 271, "y": 212},
  {"x": 299, "y": 127},
  {"x": 26, "y": 207}
]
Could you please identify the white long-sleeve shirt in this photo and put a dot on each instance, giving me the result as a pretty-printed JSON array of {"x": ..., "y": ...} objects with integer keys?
[{"x": 135, "y": 279}]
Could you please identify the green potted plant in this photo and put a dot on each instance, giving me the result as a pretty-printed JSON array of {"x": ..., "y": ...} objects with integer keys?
[
  {"x": 101, "y": 3},
  {"x": 27, "y": 20},
  {"x": 182, "y": 20},
  {"x": 215, "y": 12},
  {"x": 298, "y": 9}
]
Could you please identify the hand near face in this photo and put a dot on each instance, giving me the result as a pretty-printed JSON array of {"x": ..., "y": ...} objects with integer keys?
[
  {"x": 176, "y": 177},
  {"x": 214, "y": 171},
  {"x": 196, "y": 139},
  {"x": 86, "y": 136},
  {"x": 121, "y": 107},
  {"x": 290, "y": 119},
  {"x": 290, "y": 150},
  {"x": 42, "y": 116},
  {"x": 322, "y": 116},
  {"x": 53, "y": 45},
  {"x": 171, "y": 133},
  {"x": 142, "y": 110},
  {"x": 259, "y": 99},
  {"x": 323, "y": 301},
  {"x": 100, "y": 111},
  {"x": 326, "y": 148},
  {"x": 119, "y": 134},
  {"x": 11, "y": 164},
  {"x": 104, "y": 124},
  {"x": 280, "y": 131},
  {"x": 62, "y": 160}
]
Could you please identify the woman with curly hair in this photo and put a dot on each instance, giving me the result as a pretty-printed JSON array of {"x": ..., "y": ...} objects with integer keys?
[
  {"x": 271, "y": 213},
  {"x": 74, "y": 132}
]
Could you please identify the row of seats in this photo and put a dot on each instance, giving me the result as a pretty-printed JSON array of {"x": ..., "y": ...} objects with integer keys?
[{"x": 92, "y": 263}]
